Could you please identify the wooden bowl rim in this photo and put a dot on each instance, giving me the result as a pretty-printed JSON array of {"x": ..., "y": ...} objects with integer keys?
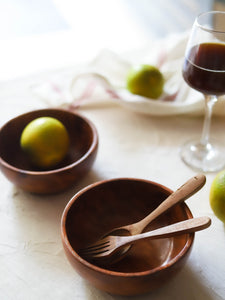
[
  {"x": 91, "y": 149},
  {"x": 103, "y": 271}
]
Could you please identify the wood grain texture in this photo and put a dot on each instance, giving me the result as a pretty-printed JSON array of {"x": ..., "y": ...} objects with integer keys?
[
  {"x": 108, "y": 204},
  {"x": 81, "y": 155}
]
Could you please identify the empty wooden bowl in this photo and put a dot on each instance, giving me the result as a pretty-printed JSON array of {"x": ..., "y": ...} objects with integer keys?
[
  {"x": 81, "y": 154},
  {"x": 105, "y": 205}
]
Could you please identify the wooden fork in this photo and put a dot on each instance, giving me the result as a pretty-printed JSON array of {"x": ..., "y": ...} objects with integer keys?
[{"x": 110, "y": 244}]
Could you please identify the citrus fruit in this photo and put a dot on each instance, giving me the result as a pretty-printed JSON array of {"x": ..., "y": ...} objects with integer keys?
[
  {"x": 145, "y": 80},
  {"x": 217, "y": 195},
  {"x": 45, "y": 140}
]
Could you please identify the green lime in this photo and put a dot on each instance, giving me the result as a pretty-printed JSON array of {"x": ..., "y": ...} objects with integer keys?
[
  {"x": 45, "y": 140},
  {"x": 217, "y": 196},
  {"x": 145, "y": 80}
]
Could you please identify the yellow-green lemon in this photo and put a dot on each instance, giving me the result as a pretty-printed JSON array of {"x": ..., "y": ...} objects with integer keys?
[
  {"x": 45, "y": 140},
  {"x": 217, "y": 195},
  {"x": 145, "y": 80}
]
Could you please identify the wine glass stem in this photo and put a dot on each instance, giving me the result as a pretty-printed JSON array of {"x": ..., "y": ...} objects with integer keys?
[{"x": 209, "y": 103}]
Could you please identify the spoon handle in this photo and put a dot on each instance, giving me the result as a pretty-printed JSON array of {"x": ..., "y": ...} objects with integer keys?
[
  {"x": 187, "y": 226},
  {"x": 182, "y": 193}
]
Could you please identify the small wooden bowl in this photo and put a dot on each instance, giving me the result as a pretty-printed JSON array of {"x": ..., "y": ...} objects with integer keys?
[
  {"x": 105, "y": 205},
  {"x": 81, "y": 155}
]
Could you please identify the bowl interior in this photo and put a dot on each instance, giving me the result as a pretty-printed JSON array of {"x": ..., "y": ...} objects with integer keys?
[
  {"x": 80, "y": 133},
  {"x": 124, "y": 201}
]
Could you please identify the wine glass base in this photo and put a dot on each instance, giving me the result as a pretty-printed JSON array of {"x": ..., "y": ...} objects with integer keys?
[{"x": 205, "y": 158}]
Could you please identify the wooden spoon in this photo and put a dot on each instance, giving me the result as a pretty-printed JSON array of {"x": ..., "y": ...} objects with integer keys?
[{"x": 189, "y": 188}]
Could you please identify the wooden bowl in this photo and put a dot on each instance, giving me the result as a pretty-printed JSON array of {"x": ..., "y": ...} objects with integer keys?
[
  {"x": 81, "y": 155},
  {"x": 105, "y": 205}
]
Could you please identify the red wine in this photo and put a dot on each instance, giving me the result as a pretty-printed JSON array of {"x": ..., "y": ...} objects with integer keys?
[{"x": 204, "y": 68}]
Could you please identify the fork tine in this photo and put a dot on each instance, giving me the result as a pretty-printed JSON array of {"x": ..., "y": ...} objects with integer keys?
[
  {"x": 96, "y": 248},
  {"x": 92, "y": 250}
]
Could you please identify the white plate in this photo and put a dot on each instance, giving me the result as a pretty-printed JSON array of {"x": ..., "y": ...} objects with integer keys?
[
  {"x": 182, "y": 100},
  {"x": 161, "y": 107}
]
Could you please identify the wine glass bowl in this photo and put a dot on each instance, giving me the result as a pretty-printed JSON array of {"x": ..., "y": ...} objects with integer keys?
[{"x": 204, "y": 71}]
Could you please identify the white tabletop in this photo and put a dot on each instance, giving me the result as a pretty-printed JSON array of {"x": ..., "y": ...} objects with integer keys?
[{"x": 32, "y": 261}]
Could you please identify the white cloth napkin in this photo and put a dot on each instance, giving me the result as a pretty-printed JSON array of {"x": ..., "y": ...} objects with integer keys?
[{"x": 104, "y": 80}]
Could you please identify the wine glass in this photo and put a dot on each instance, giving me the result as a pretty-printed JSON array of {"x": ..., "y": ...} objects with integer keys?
[{"x": 204, "y": 71}]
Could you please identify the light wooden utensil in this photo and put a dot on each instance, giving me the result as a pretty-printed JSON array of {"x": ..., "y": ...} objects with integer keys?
[
  {"x": 182, "y": 193},
  {"x": 192, "y": 186},
  {"x": 189, "y": 188},
  {"x": 110, "y": 244}
]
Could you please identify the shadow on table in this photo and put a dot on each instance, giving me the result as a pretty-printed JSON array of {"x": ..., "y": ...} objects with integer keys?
[
  {"x": 59, "y": 199},
  {"x": 186, "y": 285},
  {"x": 38, "y": 217}
]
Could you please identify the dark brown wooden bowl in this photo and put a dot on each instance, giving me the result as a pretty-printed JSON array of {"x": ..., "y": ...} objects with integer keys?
[
  {"x": 81, "y": 155},
  {"x": 105, "y": 205}
]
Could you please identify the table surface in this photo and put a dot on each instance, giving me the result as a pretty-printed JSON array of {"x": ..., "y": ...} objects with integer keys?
[
  {"x": 33, "y": 263},
  {"x": 32, "y": 260},
  {"x": 56, "y": 33}
]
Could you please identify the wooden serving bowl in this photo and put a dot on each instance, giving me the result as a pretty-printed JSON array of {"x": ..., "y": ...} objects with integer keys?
[
  {"x": 82, "y": 152},
  {"x": 105, "y": 205}
]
